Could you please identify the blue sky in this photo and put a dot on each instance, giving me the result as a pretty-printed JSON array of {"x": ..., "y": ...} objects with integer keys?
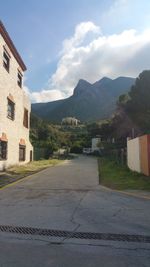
[{"x": 62, "y": 41}]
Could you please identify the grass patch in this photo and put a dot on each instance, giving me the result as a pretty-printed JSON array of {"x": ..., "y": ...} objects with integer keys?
[
  {"x": 116, "y": 176},
  {"x": 20, "y": 171},
  {"x": 33, "y": 166}
]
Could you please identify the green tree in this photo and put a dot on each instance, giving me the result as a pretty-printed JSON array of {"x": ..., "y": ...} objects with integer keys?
[{"x": 137, "y": 107}]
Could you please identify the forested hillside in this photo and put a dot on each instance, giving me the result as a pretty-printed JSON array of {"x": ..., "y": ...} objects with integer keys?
[{"x": 89, "y": 102}]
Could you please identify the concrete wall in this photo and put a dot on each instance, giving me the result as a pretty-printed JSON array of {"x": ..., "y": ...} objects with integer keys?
[
  {"x": 145, "y": 154},
  {"x": 133, "y": 154},
  {"x": 14, "y": 129},
  {"x": 95, "y": 142}
]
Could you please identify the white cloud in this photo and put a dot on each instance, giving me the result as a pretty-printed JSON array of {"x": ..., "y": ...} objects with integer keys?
[
  {"x": 81, "y": 31},
  {"x": 125, "y": 54},
  {"x": 47, "y": 95}
]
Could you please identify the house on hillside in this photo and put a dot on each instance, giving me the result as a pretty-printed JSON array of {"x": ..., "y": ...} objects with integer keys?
[
  {"x": 15, "y": 147},
  {"x": 70, "y": 121}
]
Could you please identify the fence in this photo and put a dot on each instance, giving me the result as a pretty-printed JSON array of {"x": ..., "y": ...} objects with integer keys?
[{"x": 41, "y": 153}]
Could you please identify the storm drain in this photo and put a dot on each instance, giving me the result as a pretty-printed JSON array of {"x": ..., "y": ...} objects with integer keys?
[{"x": 77, "y": 235}]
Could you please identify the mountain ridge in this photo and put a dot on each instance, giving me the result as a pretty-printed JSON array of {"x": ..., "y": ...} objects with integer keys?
[{"x": 88, "y": 102}]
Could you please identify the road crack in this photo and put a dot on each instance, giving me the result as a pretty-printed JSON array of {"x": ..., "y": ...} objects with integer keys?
[{"x": 72, "y": 220}]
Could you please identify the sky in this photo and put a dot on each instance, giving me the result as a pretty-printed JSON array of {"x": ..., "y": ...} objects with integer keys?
[{"x": 62, "y": 41}]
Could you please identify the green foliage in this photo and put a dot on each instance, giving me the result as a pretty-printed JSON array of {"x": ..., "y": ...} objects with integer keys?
[
  {"x": 123, "y": 99},
  {"x": 76, "y": 148},
  {"x": 103, "y": 129},
  {"x": 46, "y": 136},
  {"x": 137, "y": 104},
  {"x": 49, "y": 138},
  {"x": 119, "y": 177},
  {"x": 133, "y": 112}
]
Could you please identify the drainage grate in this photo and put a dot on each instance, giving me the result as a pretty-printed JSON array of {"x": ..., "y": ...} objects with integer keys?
[{"x": 77, "y": 235}]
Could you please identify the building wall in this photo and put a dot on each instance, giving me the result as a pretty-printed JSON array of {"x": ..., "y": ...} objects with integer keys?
[
  {"x": 14, "y": 129},
  {"x": 133, "y": 154},
  {"x": 148, "y": 151},
  {"x": 95, "y": 142},
  {"x": 145, "y": 154},
  {"x": 70, "y": 121}
]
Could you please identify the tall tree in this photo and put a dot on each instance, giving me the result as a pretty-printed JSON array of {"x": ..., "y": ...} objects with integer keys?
[{"x": 137, "y": 106}]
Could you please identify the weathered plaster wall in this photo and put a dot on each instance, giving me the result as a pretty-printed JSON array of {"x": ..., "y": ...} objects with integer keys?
[
  {"x": 14, "y": 129},
  {"x": 133, "y": 154}
]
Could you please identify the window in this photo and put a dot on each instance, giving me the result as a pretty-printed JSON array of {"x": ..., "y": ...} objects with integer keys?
[
  {"x": 6, "y": 61},
  {"x": 19, "y": 81},
  {"x": 3, "y": 150},
  {"x": 11, "y": 110},
  {"x": 22, "y": 153},
  {"x": 25, "y": 118}
]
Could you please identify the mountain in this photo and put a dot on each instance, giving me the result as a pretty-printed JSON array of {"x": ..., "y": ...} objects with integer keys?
[{"x": 89, "y": 101}]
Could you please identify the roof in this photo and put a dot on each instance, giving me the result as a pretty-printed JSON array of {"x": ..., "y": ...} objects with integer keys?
[{"x": 11, "y": 46}]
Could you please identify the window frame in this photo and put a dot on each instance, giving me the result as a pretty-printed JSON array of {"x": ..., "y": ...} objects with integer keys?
[
  {"x": 3, "y": 150},
  {"x": 6, "y": 60},
  {"x": 26, "y": 118},
  {"x": 12, "y": 116},
  {"x": 22, "y": 157},
  {"x": 19, "y": 79}
]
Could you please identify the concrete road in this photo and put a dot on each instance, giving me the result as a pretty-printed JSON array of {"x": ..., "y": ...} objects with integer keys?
[{"x": 67, "y": 197}]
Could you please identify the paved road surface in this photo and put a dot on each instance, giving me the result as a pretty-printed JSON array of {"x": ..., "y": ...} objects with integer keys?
[{"x": 68, "y": 198}]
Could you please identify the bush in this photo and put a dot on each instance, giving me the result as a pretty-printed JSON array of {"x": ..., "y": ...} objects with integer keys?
[{"x": 77, "y": 149}]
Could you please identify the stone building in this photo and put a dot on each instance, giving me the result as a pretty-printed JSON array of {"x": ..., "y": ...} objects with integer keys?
[
  {"x": 15, "y": 147},
  {"x": 70, "y": 121}
]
